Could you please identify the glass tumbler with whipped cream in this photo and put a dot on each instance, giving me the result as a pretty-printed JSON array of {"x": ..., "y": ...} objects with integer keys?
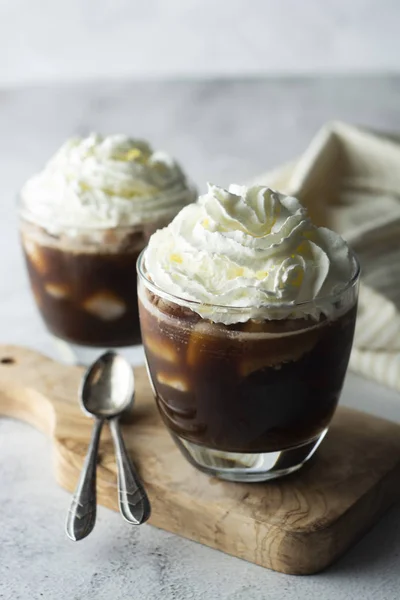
[
  {"x": 83, "y": 221},
  {"x": 247, "y": 313}
]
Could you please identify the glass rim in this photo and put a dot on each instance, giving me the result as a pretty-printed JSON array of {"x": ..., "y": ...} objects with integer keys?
[{"x": 140, "y": 268}]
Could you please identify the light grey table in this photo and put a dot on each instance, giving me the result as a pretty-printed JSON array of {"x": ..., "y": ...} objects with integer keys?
[{"x": 223, "y": 132}]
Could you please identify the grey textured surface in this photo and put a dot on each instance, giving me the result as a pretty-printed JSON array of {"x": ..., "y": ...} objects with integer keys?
[{"x": 222, "y": 132}]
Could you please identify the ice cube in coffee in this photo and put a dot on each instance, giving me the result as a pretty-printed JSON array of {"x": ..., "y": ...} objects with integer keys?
[
  {"x": 84, "y": 220},
  {"x": 247, "y": 313}
]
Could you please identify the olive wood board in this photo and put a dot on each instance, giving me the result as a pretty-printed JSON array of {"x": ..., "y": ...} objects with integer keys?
[{"x": 299, "y": 524}]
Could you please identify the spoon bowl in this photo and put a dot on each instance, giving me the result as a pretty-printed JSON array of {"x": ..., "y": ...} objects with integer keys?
[{"x": 108, "y": 386}]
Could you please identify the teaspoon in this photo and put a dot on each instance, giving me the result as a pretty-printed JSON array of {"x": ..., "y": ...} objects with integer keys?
[{"x": 107, "y": 390}]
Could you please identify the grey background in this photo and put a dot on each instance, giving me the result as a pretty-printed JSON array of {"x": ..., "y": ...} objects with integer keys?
[
  {"x": 221, "y": 131},
  {"x": 46, "y": 40}
]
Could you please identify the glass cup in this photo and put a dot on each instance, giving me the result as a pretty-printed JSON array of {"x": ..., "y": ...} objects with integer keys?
[
  {"x": 84, "y": 284},
  {"x": 250, "y": 401}
]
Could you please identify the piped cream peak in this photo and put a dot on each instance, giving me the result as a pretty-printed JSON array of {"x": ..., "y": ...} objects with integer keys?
[{"x": 252, "y": 248}]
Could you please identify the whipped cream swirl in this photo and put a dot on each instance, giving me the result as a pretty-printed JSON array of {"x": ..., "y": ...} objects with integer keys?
[
  {"x": 103, "y": 182},
  {"x": 254, "y": 249}
]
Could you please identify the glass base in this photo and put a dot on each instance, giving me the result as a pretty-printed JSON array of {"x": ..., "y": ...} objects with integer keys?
[
  {"x": 251, "y": 467},
  {"x": 75, "y": 354}
]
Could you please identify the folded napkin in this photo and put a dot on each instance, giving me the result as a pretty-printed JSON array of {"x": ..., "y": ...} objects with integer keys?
[{"x": 350, "y": 181}]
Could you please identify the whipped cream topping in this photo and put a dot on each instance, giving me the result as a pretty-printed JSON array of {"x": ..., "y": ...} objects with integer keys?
[
  {"x": 250, "y": 248},
  {"x": 105, "y": 182}
]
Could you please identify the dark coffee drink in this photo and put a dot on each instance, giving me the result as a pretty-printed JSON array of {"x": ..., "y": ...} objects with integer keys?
[
  {"x": 248, "y": 387},
  {"x": 85, "y": 289},
  {"x": 84, "y": 219},
  {"x": 247, "y": 312}
]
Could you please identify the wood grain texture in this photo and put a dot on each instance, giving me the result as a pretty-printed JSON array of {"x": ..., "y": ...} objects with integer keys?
[{"x": 298, "y": 525}]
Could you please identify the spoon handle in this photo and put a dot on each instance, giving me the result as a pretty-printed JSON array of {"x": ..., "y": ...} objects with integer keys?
[
  {"x": 82, "y": 512},
  {"x": 134, "y": 503}
]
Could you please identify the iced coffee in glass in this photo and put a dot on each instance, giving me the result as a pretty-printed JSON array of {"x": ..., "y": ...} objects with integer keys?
[
  {"x": 247, "y": 313},
  {"x": 83, "y": 221}
]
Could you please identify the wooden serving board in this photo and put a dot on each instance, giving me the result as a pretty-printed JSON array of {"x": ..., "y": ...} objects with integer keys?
[{"x": 298, "y": 524}]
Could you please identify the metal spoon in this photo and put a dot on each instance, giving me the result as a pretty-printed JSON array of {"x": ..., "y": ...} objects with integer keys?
[{"x": 107, "y": 390}]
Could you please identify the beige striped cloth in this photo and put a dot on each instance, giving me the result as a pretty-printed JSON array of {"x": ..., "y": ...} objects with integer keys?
[{"x": 350, "y": 181}]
